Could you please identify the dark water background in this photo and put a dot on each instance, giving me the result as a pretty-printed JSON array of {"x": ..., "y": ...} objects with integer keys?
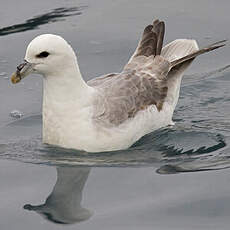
[{"x": 174, "y": 178}]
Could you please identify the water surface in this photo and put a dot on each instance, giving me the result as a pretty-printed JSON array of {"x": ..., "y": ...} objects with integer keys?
[{"x": 174, "y": 178}]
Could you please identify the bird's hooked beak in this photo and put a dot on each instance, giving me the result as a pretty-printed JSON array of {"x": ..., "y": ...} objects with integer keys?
[{"x": 22, "y": 71}]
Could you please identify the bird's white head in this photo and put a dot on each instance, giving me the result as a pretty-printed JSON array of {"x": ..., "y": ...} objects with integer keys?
[{"x": 46, "y": 54}]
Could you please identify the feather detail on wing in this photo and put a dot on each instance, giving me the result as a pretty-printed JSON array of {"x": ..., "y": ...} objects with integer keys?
[
  {"x": 151, "y": 42},
  {"x": 122, "y": 95},
  {"x": 146, "y": 77}
]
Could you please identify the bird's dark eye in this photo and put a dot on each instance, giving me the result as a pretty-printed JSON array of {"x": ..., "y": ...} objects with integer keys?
[{"x": 43, "y": 54}]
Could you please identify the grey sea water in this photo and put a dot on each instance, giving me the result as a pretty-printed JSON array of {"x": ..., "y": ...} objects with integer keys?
[{"x": 174, "y": 178}]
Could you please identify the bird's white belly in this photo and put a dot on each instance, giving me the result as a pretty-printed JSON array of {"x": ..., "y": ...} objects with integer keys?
[
  {"x": 129, "y": 132},
  {"x": 78, "y": 131}
]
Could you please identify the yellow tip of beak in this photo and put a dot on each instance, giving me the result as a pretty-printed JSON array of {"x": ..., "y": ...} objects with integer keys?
[{"x": 15, "y": 78}]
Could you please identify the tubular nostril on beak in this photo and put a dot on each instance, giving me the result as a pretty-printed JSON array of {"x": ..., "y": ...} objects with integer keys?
[
  {"x": 22, "y": 71},
  {"x": 21, "y": 66}
]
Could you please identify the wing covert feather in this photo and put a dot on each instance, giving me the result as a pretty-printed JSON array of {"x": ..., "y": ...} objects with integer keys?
[{"x": 122, "y": 95}]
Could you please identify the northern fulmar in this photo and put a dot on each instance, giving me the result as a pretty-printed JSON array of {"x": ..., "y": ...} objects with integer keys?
[{"x": 113, "y": 111}]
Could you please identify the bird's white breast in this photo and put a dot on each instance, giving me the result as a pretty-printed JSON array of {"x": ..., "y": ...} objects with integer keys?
[{"x": 75, "y": 128}]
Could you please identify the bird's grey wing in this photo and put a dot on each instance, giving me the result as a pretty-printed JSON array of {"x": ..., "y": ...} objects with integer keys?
[
  {"x": 144, "y": 80},
  {"x": 150, "y": 43},
  {"x": 98, "y": 81},
  {"x": 123, "y": 95},
  {"x": 142, "y": 83}
]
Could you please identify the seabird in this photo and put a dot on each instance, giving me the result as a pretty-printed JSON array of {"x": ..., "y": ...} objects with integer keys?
[{"x": 113, "y": 111}]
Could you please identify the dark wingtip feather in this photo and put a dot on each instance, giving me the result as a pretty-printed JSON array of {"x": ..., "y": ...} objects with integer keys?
[
  {"x": 148, "y": 28},
  {"x": 156, "y": 21},
  {"x": 219, "y": 42},
  {"x": 155, "y": 33},
  {"x": 160, "y": 37},
  {"x": 206, "y": 49}
]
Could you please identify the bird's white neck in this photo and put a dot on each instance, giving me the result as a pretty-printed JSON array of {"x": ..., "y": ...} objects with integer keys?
[
  {"x": 65, "y": 98},
  {"x": 65, "y": 85}
]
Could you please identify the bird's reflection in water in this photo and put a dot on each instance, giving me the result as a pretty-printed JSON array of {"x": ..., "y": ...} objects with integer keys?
[
  {"x": 172, "y": 150},
  {"x": 63, "y": 205}
]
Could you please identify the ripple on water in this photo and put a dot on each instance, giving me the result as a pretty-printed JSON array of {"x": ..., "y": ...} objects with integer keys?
[
  {"x": 199, "y": 141},
  {"x": 170, "y": 150},
  {"x": 16, "y": 114}
]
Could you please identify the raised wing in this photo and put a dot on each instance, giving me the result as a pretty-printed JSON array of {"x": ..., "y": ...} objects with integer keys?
[
  {"x": 151, "y": 41},
  {"x": 122, "y": 95},
  {"x": 146, "y": 77}
]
